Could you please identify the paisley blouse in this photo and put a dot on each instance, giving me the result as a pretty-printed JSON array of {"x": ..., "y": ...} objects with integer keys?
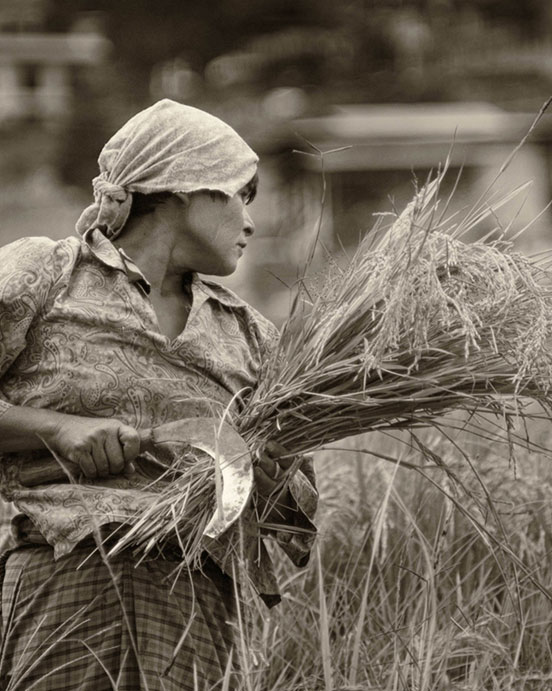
[{"x": 78, "y": 334}]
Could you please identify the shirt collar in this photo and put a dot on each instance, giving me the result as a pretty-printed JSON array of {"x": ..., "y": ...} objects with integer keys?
[
  {"x": 106, "y": 252},
  {"x": 216, "y": 292}
]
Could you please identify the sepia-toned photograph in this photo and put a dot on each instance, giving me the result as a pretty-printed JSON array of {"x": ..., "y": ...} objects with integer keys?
[{"x": 276, "y": 345}]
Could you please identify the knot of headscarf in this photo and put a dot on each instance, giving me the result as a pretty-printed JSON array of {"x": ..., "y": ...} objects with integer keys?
[
  {"x": 168, "y": 147},
  {"x": 104, "y": 187},
  {"x": 110, "y": 211}
]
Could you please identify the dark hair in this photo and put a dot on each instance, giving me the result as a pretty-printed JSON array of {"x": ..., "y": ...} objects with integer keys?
[
  {"x": 143, "y": 204},
  {"x": 250, "y": 189}
]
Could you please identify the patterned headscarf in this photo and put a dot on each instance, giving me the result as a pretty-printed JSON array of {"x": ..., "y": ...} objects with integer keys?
[{"x": 168, "y": 147}]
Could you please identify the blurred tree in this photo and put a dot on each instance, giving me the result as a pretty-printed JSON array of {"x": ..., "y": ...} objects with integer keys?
[
  {"x": 21, "y": 15},
  {"x": 530, "y": 15},
  {"x": 145, "y": 34},
  {"x": 96, "y": 113}
]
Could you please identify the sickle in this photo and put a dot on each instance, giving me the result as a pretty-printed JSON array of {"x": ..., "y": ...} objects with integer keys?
[
  {"x": 218, "y": 440},
  {"x": 231, "y": 455}
]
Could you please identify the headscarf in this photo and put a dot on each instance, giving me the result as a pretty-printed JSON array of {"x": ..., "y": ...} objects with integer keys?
[{"x": 168, "y": 147}]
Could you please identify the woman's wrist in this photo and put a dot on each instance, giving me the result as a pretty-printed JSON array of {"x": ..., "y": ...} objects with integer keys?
[{"x": 28, "y": 429}]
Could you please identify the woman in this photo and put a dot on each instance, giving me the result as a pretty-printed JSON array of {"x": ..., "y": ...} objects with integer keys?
[{"x": 102, "y": 336}]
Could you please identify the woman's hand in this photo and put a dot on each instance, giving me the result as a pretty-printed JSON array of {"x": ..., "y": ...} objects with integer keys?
[
  {"x": 273, "y": 462},
  {"x": 99, "y": 446}
]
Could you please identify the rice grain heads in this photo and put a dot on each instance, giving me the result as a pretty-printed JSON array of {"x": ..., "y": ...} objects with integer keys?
[{"x": 417, "y": 324}]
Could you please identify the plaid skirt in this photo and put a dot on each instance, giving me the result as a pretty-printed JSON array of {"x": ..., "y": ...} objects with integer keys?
[{"x": 65, "y": 626}]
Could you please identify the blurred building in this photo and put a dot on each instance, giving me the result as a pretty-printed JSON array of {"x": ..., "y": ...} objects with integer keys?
[
  {"x": 37, "y": 71},
  {"x": 381, "y": 152},
  {"x": 335, "y": 176}
]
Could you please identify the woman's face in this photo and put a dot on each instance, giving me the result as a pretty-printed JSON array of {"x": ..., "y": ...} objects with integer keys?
[{"x": 212, "y": 232}]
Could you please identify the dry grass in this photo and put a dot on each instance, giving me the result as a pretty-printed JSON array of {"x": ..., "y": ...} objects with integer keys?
[
  {"x": 404, "y": 593},
  {"x": 185, "y": 501},
  {"x": 418, "y": 325}
]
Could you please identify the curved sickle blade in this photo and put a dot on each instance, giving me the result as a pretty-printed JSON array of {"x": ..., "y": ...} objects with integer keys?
[
  {"x": 229, "y": 450},
  {"x": 218, "y": 440}
]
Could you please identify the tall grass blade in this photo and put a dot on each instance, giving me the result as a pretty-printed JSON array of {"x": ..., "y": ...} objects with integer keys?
[{"x": 324, "y": 627}]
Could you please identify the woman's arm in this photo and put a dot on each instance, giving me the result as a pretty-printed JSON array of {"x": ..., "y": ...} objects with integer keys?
[
  {"x": 100, "y": 446},
  {"x": 30, "y": 268},
  {"x": 287, "y": 503}
]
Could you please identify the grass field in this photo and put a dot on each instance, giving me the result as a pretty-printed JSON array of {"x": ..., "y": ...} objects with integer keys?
[
  {"x": 404, "y": 592},
  {"x": 416, "y": 583}
]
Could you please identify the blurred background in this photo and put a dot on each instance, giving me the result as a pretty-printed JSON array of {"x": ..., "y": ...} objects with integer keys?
[{"x": 389, "y": 84}]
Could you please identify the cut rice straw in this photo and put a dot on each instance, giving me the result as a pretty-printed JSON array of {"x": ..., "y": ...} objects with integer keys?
[{"x": 420, "y": 323}]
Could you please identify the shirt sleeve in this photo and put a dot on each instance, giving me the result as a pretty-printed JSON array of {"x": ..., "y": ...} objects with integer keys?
[
  {"x": 298, "y": 541},
  {"x": 240, "y": 544},
  {"x": 26, "y": 277}
]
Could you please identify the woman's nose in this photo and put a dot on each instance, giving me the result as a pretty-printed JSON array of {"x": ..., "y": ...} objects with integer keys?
[{"x": 248, "y": 225}]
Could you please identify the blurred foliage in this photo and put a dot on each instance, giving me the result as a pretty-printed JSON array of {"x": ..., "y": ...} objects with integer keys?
[
  {"x": 144, "y": 34},
  {"x": 238, "y": 52},
  {"x": 96, "y": 113},
  {"x": 19, "y": 14},
  {"x": 376, "y": 32}
]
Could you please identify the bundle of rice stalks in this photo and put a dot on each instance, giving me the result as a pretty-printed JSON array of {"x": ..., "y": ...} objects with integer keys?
[{"x": 418, "y": 323}]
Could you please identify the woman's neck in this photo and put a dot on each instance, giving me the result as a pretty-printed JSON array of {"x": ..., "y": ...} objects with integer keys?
[{"x": 149, "y": 244}]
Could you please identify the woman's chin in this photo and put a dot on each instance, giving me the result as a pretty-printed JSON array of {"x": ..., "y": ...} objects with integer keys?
[{"x": 225, "y": 269}]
